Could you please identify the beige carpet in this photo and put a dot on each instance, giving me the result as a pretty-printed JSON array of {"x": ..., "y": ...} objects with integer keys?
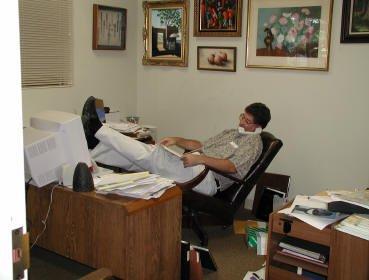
[
  {"x": 229, "y": 251},
  {"x": 232, "y": 256}
]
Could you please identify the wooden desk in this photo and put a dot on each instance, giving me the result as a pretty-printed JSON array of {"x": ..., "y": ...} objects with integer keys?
[
  {"x": 136, "y": 239},
  {"x": 348, "y": 256}
]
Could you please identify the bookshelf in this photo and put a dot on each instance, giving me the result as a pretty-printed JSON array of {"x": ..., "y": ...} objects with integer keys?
[{"x": 348, "y": 255}]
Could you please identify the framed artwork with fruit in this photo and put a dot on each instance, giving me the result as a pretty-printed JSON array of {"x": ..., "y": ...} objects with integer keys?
[{"x": 217, "y": 58}]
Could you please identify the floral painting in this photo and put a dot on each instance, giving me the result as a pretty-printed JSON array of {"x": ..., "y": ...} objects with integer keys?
[
  {"x": 289, "y": 34},
  {"x": 217, "y": 18},
  {"x": 292, "y": 31}
]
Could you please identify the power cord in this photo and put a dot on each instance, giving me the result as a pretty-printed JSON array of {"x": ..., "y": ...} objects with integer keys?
[{"x": 46, "y": 217}]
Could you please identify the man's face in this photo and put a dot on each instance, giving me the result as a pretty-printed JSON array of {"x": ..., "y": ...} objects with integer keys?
[{"x": 247, "y": 122}]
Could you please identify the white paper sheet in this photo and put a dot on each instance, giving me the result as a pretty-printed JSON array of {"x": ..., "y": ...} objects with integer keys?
[{"x": 315, "y": 221}]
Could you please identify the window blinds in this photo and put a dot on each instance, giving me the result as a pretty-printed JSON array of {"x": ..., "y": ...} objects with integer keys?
[{"x": 46, "y": 42}]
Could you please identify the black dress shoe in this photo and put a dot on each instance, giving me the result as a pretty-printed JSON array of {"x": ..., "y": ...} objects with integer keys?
[{"x": 91, "y": 122}]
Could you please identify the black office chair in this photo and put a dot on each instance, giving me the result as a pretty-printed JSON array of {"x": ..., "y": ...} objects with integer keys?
[{"x": 223, "y": 206}]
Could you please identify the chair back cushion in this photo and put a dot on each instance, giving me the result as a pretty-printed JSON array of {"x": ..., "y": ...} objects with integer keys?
[{"x": 237, "y": 193}]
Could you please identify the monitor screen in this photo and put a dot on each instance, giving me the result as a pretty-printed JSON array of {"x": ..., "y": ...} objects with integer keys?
[{"x": 67, "y": 147}]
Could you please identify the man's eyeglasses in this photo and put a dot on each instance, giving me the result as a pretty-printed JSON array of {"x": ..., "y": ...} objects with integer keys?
[{"x": 243, "y": 117}]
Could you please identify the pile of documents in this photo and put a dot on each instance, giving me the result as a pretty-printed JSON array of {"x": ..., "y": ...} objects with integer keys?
[
  {"x": 358, "y": 198},
  {"x": 357, "y": 225},
  {"x": 124, "y": 127},
  {"x": 321, "y": 211},
  {"x": 139, "y": 185}
]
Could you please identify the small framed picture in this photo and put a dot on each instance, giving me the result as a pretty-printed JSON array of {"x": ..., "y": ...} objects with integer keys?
[
  {"x": 355, "y": 21},
  {"x": 289, "y": 34},
  {"x": 109, "y": 28},
  {"x": 166, "y": 33},
  {"x": 217, "y": 58},
  {"x": 217, "y": 18}
]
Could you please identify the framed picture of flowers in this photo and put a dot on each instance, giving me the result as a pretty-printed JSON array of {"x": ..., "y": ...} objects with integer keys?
[
  {"x": 355, "y": 21},
  {"x": 289, "y": 34},
  {"x": 165, "y": 33},
  {"x": 217, "y": 18}
]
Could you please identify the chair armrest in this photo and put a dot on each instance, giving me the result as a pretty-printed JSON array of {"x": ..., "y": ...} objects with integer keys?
[{"x": 185, "y": 186}]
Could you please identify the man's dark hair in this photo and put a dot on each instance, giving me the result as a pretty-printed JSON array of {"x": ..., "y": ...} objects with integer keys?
[{"x": 260, "y": 113}]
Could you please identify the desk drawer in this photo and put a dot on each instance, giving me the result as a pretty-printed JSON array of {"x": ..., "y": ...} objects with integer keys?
[{"x": 293, "y": 227}]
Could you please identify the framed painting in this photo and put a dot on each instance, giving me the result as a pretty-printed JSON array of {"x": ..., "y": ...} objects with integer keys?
[
  {"x": 289, "y": 34},
  {"x": 217, "y": 18},
  {"x": 109, "y": 28},
  {"x": 216, "y": 58},
  {"x": 166, "y": 33},
  {"x": 355, "y": 21}
]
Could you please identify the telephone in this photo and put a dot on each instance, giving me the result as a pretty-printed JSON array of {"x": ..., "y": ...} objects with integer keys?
[{"x": 241, "y": 130}]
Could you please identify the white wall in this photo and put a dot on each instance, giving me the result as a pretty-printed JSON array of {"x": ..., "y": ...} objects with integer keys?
[
  {"x": 110, "y": 75},
  {"x": 322, "y": 117},
  {"x": 12, "y": 201}
]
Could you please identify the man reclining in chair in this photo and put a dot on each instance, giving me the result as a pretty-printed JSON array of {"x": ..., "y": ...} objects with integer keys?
[{"x": 232, "y": 151}]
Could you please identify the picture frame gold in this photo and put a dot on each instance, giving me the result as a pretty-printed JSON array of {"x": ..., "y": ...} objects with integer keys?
[
  {"x": 221, "y": 18},
  {"x": 165, "y": 33},
  {"x": 217, "y": 58},
  {"x": 109, "y": 28},
  {"x": 289, "y": 34}
]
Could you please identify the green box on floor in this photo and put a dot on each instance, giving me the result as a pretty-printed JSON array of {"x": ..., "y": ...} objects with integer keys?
[{"x": 252, "y": 228}]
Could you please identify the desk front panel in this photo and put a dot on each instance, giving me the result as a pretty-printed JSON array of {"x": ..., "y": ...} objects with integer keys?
[{"x": 88, "y": 228}]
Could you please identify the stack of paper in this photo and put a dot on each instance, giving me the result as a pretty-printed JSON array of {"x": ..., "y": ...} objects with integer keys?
[
  {"x": 357, "y": 225},
  {"x": 139, "y": 185},
  {"x": 115, "y": 180},
  {"x": 124, "y": 127},
  {"x": 359, "y": 198}
]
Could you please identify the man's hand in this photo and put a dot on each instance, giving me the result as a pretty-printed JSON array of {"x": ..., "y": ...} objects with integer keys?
[
  {"x": 169, "y": 141},
  {"x": 192, "y": 160}
]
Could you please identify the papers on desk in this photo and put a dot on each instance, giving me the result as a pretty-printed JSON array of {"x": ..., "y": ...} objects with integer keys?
[
  {"x": 357, "y": 225},
  {"x": 113, "y": 180},
  {"x": 124, "y": 127},
  {"x": 139, "y": 185},
  {"x": 313, "y": 211},
  {"x": 359, "y": 198}
]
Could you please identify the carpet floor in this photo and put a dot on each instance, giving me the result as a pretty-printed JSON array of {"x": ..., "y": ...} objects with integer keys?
[{"x": 231, "y": 255}]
